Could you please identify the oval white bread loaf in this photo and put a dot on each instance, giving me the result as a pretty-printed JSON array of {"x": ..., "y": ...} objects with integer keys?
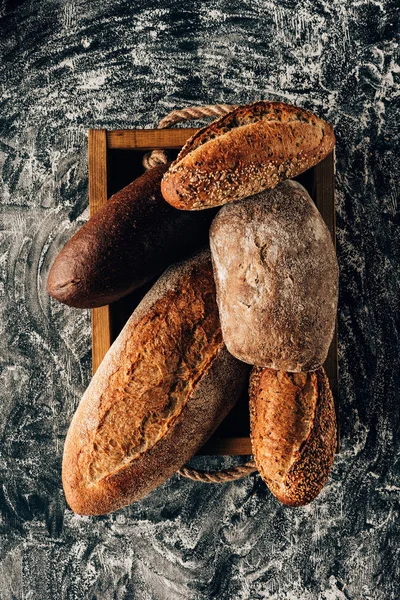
[
  {"x": 161, "y": 391},
  {"x": 293, "y": 432},
  {"x": 250, "y": 149},
  {"x": 276, "y": 274}
]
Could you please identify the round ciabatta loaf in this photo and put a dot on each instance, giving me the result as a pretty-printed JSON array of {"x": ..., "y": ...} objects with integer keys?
[
  {"x": 250, "y": 149},
  {"x": 293, "y": 432},
  {"x": 162, "y": 389},
  {"x": 277, "y": 279}
]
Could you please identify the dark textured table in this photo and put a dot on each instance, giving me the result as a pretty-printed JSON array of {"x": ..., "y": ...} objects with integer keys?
[{"x": 68, "y": 66}]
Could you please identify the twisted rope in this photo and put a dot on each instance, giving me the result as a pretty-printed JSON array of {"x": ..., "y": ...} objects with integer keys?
[
  {"x": 159, "y": 157},
  {"x": 190, "y": 113},
  {"x": 219, "y": 476}
]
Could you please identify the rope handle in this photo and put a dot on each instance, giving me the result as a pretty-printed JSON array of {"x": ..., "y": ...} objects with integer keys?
[
  {"x": 219, "y": 476},
  {"x": 159, "y": 157},
  {"x": 190, "y": 113}
]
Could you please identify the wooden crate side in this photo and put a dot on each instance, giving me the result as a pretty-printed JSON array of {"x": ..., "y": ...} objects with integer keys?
[
  {"x": 148, "y": 139},
  {"x": 101, "y": 317},
  {"x": 324, "y": 192},
  {"x": 233, "y": 446},
  {"x": 144, "y": 140},
  {"x": 324, "y": 195}
]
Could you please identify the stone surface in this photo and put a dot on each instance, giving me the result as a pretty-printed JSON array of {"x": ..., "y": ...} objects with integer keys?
[{"x": 69, "y": 66}]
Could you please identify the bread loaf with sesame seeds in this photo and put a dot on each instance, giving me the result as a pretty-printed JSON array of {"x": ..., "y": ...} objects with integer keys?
[
  {"x": 293, "y": 432},
  {"x": 276, "y": 275},
  {"x": 248, "y": 150},
  {"x": 161, "y": 391}
]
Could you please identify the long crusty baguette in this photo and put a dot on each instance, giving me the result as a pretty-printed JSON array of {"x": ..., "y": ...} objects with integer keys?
[
  {"x": 250, "y": 149},
  {"x": 132, "y": 238},
  {"x": 293, "y": 432},
  {"x": 161, "y": 391},
  {"x": 276, "y": 275}
]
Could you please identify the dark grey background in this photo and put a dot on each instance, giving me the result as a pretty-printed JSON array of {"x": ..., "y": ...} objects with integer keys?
[{"x": 68, "y": 66}]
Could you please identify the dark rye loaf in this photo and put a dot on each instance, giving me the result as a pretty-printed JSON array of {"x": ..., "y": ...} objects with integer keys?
[
  {"x": 293, "y": 432},
  {"x": 161, "y": 391},
  {"x": 132, "y": 238},
  {"x": 250, "y": 149},
  {"x": 277, "y": 279}
]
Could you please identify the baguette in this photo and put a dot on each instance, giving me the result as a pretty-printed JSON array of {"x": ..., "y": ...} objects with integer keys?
[
  {"x": 161, "y": 391},
  {"x": 293, "y": 432},
  {"x": 276, "y": 274},
  {"x": 250, "y": 149},
  {"x": 132, "y": 238}
]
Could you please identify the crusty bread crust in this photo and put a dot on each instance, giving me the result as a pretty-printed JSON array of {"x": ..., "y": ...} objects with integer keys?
[
  {"x": 250, "y": 149},
  {"x": 276, "y": 274},
  {"x": 161, "y": 391},
  {"x": 132, "y": 238},
  {"x": 293, "y": 432}
]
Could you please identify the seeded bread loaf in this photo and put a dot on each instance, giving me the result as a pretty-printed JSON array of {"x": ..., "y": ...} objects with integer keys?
[
  {"x": 161, "y": 391},
  {"x": 276, "y": 274},
  {"x": 132, "y": 238},
  {"x": 293, "y": 432},
  {"x": 250, "y": 149}
]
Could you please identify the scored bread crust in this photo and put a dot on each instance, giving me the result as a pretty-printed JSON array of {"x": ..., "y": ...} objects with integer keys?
[
  {"x": 166, "y": 436},
  {"x": 250, "y": 149},
  {"x": 293, "y": 432}
]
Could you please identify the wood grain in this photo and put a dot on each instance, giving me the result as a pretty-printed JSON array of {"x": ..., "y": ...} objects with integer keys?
[
  {"x": 323, "y": 194},
  {"x": 98, "y": 195},
  {"x": 323, "y": 191},
  {"x": 148, "y": 139},
  {"x": 233, "y": 446},
  {"x": 97, "y": 148}
]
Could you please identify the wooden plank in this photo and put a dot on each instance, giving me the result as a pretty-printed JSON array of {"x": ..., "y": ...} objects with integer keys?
[
  {"x": 101, "y": 317},
  {"x": 97, "y": 147},
  {"x": 226, "y": 446},
  {"x": 323, "y": 191},
  {"x": 148, "y": 139},
  {"x": 324, "y": 196}
]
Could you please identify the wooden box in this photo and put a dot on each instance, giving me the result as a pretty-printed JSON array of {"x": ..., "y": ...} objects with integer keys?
[{"x": 115, "y": 159}]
